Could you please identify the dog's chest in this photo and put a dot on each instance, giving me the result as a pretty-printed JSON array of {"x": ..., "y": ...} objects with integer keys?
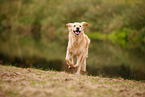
[{"x": 77, "y": 48}]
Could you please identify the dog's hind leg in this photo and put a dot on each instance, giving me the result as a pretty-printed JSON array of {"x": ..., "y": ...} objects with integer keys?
[
  {"x": 79, "y": 69},
  {"x": 83, "y": 68},
  {"x": 81, "y": 65}
]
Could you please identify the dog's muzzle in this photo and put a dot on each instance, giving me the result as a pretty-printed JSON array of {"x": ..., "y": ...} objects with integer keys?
[{"x": 77, "y": 32}]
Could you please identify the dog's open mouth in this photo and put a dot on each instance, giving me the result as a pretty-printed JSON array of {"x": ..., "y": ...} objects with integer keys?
[{"x": 77, "y": 32}]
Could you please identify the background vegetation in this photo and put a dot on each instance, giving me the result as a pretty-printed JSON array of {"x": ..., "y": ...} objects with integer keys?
[{"x": 33, "y": 33}]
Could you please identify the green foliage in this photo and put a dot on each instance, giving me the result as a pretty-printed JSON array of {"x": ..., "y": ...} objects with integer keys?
[
  {"x": 136, "y": 18},
  {"x": 97, "y": 35},
  {"x": 26, "y": 20}
]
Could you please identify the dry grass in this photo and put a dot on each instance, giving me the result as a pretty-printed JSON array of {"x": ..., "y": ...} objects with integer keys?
[{"x": 28, "y": 82}]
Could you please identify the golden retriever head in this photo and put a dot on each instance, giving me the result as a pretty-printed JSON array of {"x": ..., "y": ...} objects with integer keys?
[{"x": 76, "y": 28}]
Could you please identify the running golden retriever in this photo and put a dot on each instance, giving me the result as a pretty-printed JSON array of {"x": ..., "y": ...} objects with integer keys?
[{"x": 78, "y": 45}]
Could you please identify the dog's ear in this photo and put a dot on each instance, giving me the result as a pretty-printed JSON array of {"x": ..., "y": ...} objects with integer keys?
[
  {"x": 69, "y": 24},
  {"x": 84, "y": 23}
]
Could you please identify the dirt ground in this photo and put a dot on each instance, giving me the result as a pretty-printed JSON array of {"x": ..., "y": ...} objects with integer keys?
[{"x": 29, "y": 82}]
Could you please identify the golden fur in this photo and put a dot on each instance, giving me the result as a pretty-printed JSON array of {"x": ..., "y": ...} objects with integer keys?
[{"x": 78, "y": 45}]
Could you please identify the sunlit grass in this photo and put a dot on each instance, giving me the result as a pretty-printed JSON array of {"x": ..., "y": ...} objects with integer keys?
[{"x": 45, "y": 82}]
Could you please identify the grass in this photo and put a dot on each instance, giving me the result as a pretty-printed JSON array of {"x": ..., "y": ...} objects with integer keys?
[{"x": 29, "y": 82}]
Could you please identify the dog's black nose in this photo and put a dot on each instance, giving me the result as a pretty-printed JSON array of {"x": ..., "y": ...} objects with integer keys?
[{"x": 77, "y": 28}]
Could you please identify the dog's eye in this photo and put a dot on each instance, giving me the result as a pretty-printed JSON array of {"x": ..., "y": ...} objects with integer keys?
[
  {"x": 80, "y": 25},
  {"x": 74, "y": 25}
]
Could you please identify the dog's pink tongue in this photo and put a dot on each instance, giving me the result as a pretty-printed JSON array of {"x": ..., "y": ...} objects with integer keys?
[{"x": 77, "y": 32}]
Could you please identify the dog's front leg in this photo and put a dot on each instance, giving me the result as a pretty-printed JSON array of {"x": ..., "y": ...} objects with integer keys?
[
  {"x": 72, "y": 60},
  {"x": 68, "y": 55}
]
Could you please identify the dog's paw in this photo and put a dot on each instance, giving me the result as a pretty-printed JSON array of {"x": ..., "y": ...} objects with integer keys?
[
  {"x": 76, "y": 66},
  {"x": 70, "y": 67}
]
